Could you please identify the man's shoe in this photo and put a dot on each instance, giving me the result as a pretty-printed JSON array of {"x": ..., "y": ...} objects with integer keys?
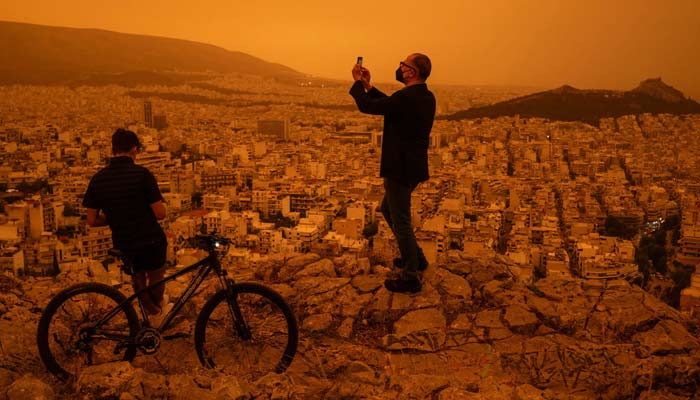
[
  {"x": 403, "y": 285},
  {"x": 422, "y": 264}
]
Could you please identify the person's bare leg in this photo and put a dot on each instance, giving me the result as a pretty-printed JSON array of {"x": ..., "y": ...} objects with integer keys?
[
  {"x": 156, "y": 294},
  {"x": 140, "y": 281}
]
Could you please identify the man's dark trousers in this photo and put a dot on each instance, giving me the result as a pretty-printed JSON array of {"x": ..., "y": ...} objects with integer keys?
[{"x": 396, "y": 207}]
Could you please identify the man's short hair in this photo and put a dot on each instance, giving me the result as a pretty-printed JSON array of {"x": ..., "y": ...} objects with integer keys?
[
  {"x": 422, "y": 62},
  {"x": 124, "y": 140}
]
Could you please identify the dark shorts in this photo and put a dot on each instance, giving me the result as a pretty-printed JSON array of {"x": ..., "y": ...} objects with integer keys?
[{"x": 149, "y": 258}]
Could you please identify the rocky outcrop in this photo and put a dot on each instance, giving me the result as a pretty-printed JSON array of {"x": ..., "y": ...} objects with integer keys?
[
  {"x": 418, "y": 330},
  {"x": 475, "y": 331},
  {"x": 567, "y": 103},
  {"x": 29, "y": 388},
  {"x": 121, "y": 380}
]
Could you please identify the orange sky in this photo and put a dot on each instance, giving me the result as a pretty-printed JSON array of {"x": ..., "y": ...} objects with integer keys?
[{"x": 545, "y": 43}]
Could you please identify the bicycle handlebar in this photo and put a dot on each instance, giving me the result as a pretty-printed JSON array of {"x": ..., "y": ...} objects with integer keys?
[{"x": 212, "y": 241}]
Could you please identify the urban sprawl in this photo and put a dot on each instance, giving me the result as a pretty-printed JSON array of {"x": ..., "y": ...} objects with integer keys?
[{"x": 285, "y": 169}]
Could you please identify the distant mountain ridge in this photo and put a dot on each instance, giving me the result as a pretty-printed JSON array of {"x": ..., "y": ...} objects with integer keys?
[
  {"x": 38, "y": 54},
  {"x": 567, "y": 103}
]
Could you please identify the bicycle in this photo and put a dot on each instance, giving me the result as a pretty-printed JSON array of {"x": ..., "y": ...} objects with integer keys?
[{"x": 93, "y": 323}]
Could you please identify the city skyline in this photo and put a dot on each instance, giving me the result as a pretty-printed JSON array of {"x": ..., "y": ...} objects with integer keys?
[
  {"x": 587, "y": 45},
  {"x": 561, "y": 228}
]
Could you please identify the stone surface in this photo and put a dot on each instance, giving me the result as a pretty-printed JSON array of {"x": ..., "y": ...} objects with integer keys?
[
  {"x": 555, "y": 338},
  {"x": 660, "y": 395},
  {"x": 29, "y": 388},
  {"x": 6, "y": 379},
  {"x": 461, "y": 323},
  {"x": 452, "y": 393},
  {"x": 345, "y": 328},
  {"x": 351, "y": 303},
  {"x": 350, "y": 266},
  {"x": 317, "y": 284},
  {"x": 276, "y": 387},
  {"x": 489, "y": 319},
  {"x": 520, "y": 319},
  {"x": 367, "y": 283},
  {"x": 453, "y": 285},
  {"x": 186, "y": 387},
  {"x": 228, "y": 388},
  {"x": 284, "y": 290},
  {"x": 528, "y": 392},
  {"x": 301, "y": 260},
  {"x": 323, "y": 267},
  {"x": 666, "y": 337},
  {"x": 318, "y": 322},
  {"x": 419, "y": 386},
  {"x": 110, "y": 380},
  {"x": 418, "y": 330}
]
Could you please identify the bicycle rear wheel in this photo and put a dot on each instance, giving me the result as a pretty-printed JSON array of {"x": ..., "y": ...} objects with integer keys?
[
  {"x": 272, "y": 328},
  {"x": 69, "y": 337}
]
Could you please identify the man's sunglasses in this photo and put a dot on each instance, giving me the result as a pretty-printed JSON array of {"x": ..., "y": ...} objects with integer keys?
[{"x": 403, "y": 64}]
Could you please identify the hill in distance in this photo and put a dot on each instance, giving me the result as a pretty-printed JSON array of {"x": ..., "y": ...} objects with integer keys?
[
  {"x": 567, "y": 103},
  {"x": 37, "y": 54}
]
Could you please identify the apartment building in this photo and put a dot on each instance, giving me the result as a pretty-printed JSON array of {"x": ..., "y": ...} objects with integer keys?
[{"x": 95, "y": 242}]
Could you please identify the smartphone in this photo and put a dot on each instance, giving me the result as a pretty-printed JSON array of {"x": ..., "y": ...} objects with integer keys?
[{"x": 359, "y": 60}]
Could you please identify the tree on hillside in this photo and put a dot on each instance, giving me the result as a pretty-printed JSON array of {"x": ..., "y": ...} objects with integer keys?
[
  {"x": 681, "y": 275},
  {"x": 650, "y": 256},
  {"x": 282, "y": 222},
  {"x": 614, "y": 227},
  {"x": 196, "y": 199},
  {"x": 39, "y": 185}
]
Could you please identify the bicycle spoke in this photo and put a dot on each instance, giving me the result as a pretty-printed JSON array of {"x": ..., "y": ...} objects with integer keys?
[
  {"x": 266, "y": 346},
  {"x": 69, "y": 338},
  {"x": 88, "y": 357}
]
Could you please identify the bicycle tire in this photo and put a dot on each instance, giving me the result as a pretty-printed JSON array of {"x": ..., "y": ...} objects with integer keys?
[
  {"x": 273, "y": 328},
  {"x": 74, "y": 309}
]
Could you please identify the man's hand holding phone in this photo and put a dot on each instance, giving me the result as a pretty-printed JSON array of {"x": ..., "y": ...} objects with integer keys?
[
  {"x": 362, "y": 74},
  {"x": 357, "y": 72}
]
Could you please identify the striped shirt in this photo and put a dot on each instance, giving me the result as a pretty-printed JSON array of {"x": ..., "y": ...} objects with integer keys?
[{"x": 125, "y": 192}]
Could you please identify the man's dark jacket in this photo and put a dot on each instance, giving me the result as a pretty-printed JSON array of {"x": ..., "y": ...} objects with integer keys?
[{"x": 408, "y": 119}]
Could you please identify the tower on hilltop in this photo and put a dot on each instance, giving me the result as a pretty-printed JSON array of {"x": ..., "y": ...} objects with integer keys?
[
  {"x": 278, "y": 129},
  {"x": 148, "y": 114}
]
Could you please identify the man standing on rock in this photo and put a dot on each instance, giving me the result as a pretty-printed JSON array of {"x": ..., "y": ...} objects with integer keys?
[
  {"x": 408, "y": 120},
  {"x": 126, "y": 197}
]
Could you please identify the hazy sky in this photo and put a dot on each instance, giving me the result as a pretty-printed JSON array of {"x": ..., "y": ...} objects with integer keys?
[{"x": 545, "y": 43}]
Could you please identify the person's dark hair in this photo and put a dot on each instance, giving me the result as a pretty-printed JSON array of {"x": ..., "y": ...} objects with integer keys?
[
  {"x": 422, "y": 62},
  {"x": 124, "y": 140}
]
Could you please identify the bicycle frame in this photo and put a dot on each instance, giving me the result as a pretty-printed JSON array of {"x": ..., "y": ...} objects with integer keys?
[
  {"x": 78, "y": 328},
  {"x": 205, "y": 266}
]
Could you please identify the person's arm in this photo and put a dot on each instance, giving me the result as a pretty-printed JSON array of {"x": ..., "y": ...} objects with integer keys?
[
  {"x": 154, "y": 197},
  {"x": 93, "y": 206},
  {"x": 365, "y": 76},
  {"x": 158, "y": 209},
  {"x": 95, "y": 218},
  {"x": 374, "y": 101}
]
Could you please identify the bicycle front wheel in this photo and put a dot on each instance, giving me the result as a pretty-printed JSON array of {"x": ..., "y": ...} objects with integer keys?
[
  {"x": 74, "y": 333},
  {"x": 267, "y": 343}
]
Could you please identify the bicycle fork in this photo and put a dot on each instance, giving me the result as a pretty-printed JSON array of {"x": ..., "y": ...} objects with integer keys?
[{"x": 239, "y": 323}]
